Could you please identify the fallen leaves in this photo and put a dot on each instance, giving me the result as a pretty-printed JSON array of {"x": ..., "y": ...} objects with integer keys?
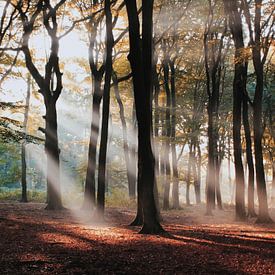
[{"x": 35, "y": 241}]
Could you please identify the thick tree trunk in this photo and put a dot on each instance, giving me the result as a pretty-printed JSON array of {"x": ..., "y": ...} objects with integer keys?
[
  {"x": 237, "y": 113},
  {"x": 24, "y": 197},
  {"x": 273, "y": 185},
  {"x": 52, "y": 152},
  {"x": 258, "y": 63},
  {"x": 105, "y": 113},
  {"x": 263, "y": 216},
  {"x": 210, "y": 182},
  {"x": 141, "y": 64},
  {"x": 235, "y": 22}
]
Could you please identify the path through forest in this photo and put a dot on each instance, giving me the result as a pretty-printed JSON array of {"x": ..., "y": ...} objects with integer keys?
[{"x": 35, "y": 241}]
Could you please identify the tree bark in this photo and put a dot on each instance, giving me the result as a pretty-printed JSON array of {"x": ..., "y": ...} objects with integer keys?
[
  {"x": 129, "y": 161},
  {"x": 263, "y": 216},
  {"x": 52, "y": 152},
  {"x": 24, "y": 197},
  {"x": 175, "y": 189},
  {"x": 89, "y": 191},
  {"x": 141, "y": 65},
  {"x": 273, "y": 185},
  {"x": 235, "y": 23},
  {"x": 249, "y": 159},
  {"x": 49, "y": 91},
  {"x": 105, "y": 112},
  {"x": 166, "y": 195},
  {"x": 188, "y": 178}
]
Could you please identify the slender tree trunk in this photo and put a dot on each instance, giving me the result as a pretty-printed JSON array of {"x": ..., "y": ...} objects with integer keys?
[
  {"x": 210, "y": 184},
  {"x": 199, "y": 164},
  {"x": 24, "y": 197},
  {"x": 89, "y": 191},
  {"x": 105, "y": 112},
  {"x": 217, "y": 181},
  {"x": 249, "y": 159},
  {"x": 188, "y": 180},
  {"x": 168, "y": 132},
  {"x": 127, "y": 154},
  {"x": 175, "y": 189},
  {"x": 156, "y": 115},
  {"x": 195, "y": 176}
]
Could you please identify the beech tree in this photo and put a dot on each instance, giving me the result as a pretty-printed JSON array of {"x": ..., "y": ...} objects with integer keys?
[
  {"x": 24, "y": 197},
  {"x": 105, "y": 110},
  {"x": 214, "y": 51},
  {"x": 50, "y": 85},
  {"x": 140, "y": 58},
  {"x": 239, "y": 86},
  {"x": 261, "y": 36}
]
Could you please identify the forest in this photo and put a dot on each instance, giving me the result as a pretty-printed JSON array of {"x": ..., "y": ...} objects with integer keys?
[{"x": 137, "y": 136}]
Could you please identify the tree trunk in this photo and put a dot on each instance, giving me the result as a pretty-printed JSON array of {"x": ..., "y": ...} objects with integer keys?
[
  {"x": 217, "y": 182},
  {"x": 263, "y": 216},
  {"x": 210, "y": 184},
  {"x": 89, "y": 191},
  {"x": 249, "y": 159},
  {"x": 273, "y": 185},
  {"x": 235, "y": 22},
  {"x": 168, "y": 132},
  {"x": 199, "y": 163},
  {"x": 52, "y": 152},
  {"x": 188, "y": 180},
  {"x": 141, "y": 65},
  {"x": 237, "y": 111},
  {"x": 175, "y": 189},
  {"x": 195, "y": 176},
  {"x": 105, "y": 113},
  {"x": 156, "y": 116},
  {"x": 127, "y": 154},
  {"x": 24, "y": 197}
]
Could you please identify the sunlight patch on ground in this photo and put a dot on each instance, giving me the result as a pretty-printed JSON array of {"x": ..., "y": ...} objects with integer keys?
[{"x": 64, "y": 240}]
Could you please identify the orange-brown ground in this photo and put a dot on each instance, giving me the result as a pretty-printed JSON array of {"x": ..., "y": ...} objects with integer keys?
[{"x": 36, "y": 241}]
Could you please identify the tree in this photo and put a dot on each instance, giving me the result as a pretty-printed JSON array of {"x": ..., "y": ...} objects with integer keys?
[
  {"x": 105, "y": 111},
  {"x": 235, "y": 23},
  {"x": 214, "y": 40},
  {"x": 50, "y": 86},
  {"x": 129, "y": 154},
  {"x": 140, "y": 58},
  {"x": 261, "y": 37},
  {"x": 97, "y": 73},
  {"x": 24, "y": 197}
]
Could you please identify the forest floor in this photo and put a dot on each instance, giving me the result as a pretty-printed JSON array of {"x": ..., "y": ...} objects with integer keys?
[{"x": 36, "y": 241}]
